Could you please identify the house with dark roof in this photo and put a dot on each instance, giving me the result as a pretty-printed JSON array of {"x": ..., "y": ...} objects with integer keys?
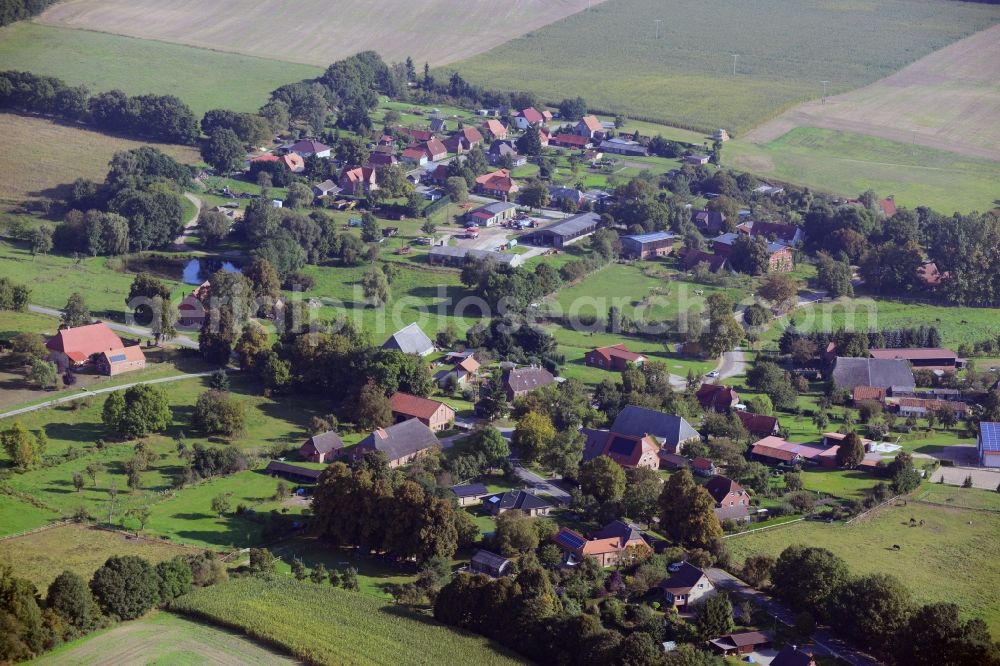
[
  {"x": 470, "y": 493},
  {"x": 743, "y": 642},
  {"x": 326, "y": 189},
  {"x": 647, "y": 246},
  {"x": 438, "y": 124},
  {"x": 490, "y": 564},
  {"x": 988, "y": 444},
  {"x": 97, "y": 343},
  {"x": 568, "y": 194},
  {"x": 849, "y": 372},
  {"x": 614, "y": 357},
  {"x": 759, "y": 425},
  {"x": 519, "y": 381},
  {"x": 617, "y": 542},
  {"x": 491, "y": 214},
  {"x": 922, "y": 358},
  {"x": 709, "y": 222},
  {"x": 563, "y": 232},
  {"x": 380, "y": 160},
  {"x": 621, "y": 146},
  {"x": 322, "y": 447},
  {"x": 790, "y": 655},
  {"x": 671, "y": 431},
  {"x": 780, "y": 257},
  {"x": 713, "y": 262},
  {"x": 410, "y": 340},
  {"x": 517, "y": 500},
  {"x": 501, "y": 149},
  {"x": 717, "y": 397},
  {"x": 732, "y": 502},
  {"x": 308, "y": 147},
  {"x": 402, "y": 443},
  {"x": 686, "y": 586},
  {"x": 293, "y": 473},
  {"x": 434, "y": 414}
]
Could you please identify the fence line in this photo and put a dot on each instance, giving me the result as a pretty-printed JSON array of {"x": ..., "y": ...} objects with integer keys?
[
  {"x": 874, "y": 508},
  {"x": 766, "y": 527},
  {"x": 49, "y": 526}
]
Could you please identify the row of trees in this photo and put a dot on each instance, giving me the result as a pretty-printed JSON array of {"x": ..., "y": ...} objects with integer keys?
[
  {"x": 123, "y": 588},
  {"x": 160, "y": 117}
]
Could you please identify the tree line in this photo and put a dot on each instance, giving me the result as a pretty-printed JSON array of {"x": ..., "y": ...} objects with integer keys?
[
  {"x": 160, "y": 117},
  {"x": 12, "y": 11},
  {"x": 123, "y": 588}
]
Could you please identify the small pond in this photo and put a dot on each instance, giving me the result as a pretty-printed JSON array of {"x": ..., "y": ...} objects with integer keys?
[{"x": 197, "y": 271}]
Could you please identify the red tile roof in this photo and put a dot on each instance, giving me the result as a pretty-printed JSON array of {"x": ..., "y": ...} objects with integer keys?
[
  {"x": 415, "y": 406},
  {"x": 618, "y": 351},
  {"x": 498, "y": 180},
  {"x": 495, "y": 127},
  {"x": 571, "y": 139},
  {"x": 434, "y": 147},
  {"x": 532, "y": 115},
  {"x": 703, "y": 464},
  {"x": 592, "y": 123},
  {"x": 876, "y": 393},
  {"x": 758, "y": 424},
  {"x": 717, "y": 396},
  {"x": 83, "y": 341},
  {"x": 888, "y": 206}
]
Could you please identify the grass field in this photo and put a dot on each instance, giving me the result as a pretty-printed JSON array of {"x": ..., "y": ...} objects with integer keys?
[
  {"x": 612, "y": 57},
  {"x": 956, "y": 325},
  {"x": 945, "y": 100},
  {"x": 946, "y": 542},
  {"x": 351, "y": 627},
  {"x": 203, "y": 78},
  {"x": 320, "y": 35},
  {"x": 847, "y": 163},
  {"x": 968, "y": 498},
  {"x": 165, "y": 638},
  {"x": 40, "y": 159}
]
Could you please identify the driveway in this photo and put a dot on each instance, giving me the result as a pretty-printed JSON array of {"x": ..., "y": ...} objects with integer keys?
[
  {"x": 982, "y": 477},
  {"x": 138, "y": 331},
  {"x": 823, "y": 641},
  {"x": 542, "y": 485},
  {"x": 733, "y": 363},
  {"x": 180, "y": 243}
]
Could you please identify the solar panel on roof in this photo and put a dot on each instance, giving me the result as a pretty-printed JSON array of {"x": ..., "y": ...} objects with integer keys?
[
  {"x": 571, "y": 540},
  {"x": 117, "y": 357},
  {"x": 990, "y": 433}
]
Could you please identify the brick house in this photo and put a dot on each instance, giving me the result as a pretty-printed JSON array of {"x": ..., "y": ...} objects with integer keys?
[
  {"x": 497, "y": 184},
  {"x": 358, "y": 181},
  {"x": 731, "y": 501},
  {"x": 433, "y": 414},
  {"x": 615, "y": 543},
  {"x": 520, "y": 381},
  {"x": 402, "y": 443},
  {"x": 322, "y": 447},
  {"x": 615, "y": 357},
  {"x": 717, "y": 397}
]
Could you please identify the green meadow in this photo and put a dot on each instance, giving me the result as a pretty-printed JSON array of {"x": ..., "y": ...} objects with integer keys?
[{"x": 847, "y": 164}]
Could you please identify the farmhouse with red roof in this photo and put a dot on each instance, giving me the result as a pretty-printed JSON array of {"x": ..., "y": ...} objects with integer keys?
[
  {"x": 96, "y": 343},
  {"x": 615, "y": 357}
]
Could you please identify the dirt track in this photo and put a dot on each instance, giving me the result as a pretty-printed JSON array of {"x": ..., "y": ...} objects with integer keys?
[
  {"x": 317, "y": 32},
  {"x": 947, "y": 100}
]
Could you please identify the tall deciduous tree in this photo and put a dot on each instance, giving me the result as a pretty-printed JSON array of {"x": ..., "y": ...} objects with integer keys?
[
  {"x": 76, "y": 312},
  {"x": 687, "y": 511},
  {"x": 602, "y": 478},
  {"x": 533, "y": 435}
]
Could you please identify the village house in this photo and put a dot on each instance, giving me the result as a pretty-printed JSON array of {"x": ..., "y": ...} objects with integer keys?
[
  {"x": 759, "y": 425},
  {"x": 94, "y": 343},
  {"x": 713, "y": 262},
  {"x": 570, "y": 195},
  {"x": 922, "y": 358},
  {"x": 697, "y": 160},
  {"x": 790, "y": 655},
  {"x": 490, "y": 564},
  {"x": 402, "y": 443},
  {"x": 322, "y": 447},
  {"x": 780, "y": 257},
  {"x": 463, "y": 140},
  {"x": 470, "y": 493},
  {"x": 615, "y": 357},
  {"x": 647, "y": 246},
  {"x": 191, "y": 310},
  {"x": 988, "y": 444},
  {"x": 521, "y": 381},
  {"x": 434, "y": 414},
  {"x": 438, "y": 124},
  {"x": 573, "y": 141},
  {"x": 464, "y": 368},
  {"x": 528, "y": 117},
  {"x": 671, "y": 432},
  {"x": 590, "y": 127},
  {"x": 616, "y": 543},
  {"x": 873, "y": 393},
  {"x": 380, "y": 160},
  {"x": 849, "y": 372},
  {"x": 743, "y": 642},
  {"x": 358, "y": 181},
  {"x": 920, "y": 407},
  {"x": 497, "y": 184},
  {"x": 414, "y": 155},
  {"x": 774, "y": 450},
  {"x": 326, "y": 189},
  {"x": 491, "y": 214},
  {"x": 435, "y": 150},
  {"x": 686, "y": 586},
  {"x": 505, "y": 149},
  {"x": 717, "y": 398},
  {"x": 709, "y": 222},
  {"x": 629, "y": 451},
  {"x": 410, "y": 340},
  {"x": 732, "y": 502},
  {"x": 545, "y": 136},
  {"x": 309, "y": 147},
  {"x": 495, "y": 129},
  {"x": 517, "y": 500},
  {"x": 292, "y": 161},
  {"x": 561, "y": 233},
  {"x": 417, "y": 135}
]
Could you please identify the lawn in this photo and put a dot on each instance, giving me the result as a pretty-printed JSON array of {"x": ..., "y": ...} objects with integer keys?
[
  {"x": 351, "y": 627},
  {"x": 960, "y": 542},
  {"x": 59, "y": 154},
  {"x": 204, "y": 79},
  {"x": 612, "y": 57},
  {"x": 42, "y": 556},
  {"x": 165, "y": 638},
  {"x": 968, "y": 498},
  {"x": 847, "y": 164}
]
